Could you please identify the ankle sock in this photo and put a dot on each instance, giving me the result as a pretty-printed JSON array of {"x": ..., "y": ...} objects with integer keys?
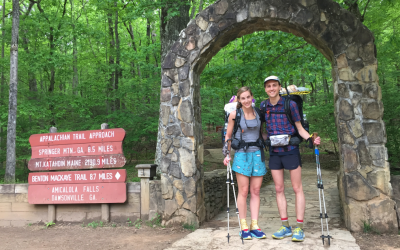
[
  {"x": 254, "y": 225},
  {"x": 299, "y": 223},
  {"x": 243, "y": 225},
  {"x": 285, "y": 222}
]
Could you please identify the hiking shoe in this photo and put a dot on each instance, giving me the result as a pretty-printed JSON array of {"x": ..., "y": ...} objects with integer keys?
[
  {"x": 257, "y": 233},
  {"x": 298, "y": 234},
  {"x": 246, "y": 234},
  {"x": 282, "y": 233}
]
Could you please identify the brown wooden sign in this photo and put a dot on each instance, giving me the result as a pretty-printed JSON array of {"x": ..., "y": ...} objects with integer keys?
[
  {"x": 77, "y": 162},
  {"x": 218, "y": 129},
  {"x": 89, "y": 136},
  {"x": 73, "y": 177},
  {"x": 77, "y": 193},
  {"x": 77, "y": 150}
]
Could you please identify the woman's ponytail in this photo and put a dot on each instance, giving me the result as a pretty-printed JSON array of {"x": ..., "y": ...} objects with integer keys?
[{"x": 239, "y": 105}]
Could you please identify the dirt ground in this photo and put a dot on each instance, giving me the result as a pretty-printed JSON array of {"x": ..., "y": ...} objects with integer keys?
[
  {"x": 371, "y": 241},
  {"x": 77, "y": 237}
]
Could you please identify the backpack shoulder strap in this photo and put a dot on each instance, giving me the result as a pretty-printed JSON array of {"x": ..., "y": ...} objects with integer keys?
[
  {"x": 264, "y": 106},
  {"x": 288, "y": 111},
  {"x": 260, "y": 114},
  {"x": 237, "y": 122}
]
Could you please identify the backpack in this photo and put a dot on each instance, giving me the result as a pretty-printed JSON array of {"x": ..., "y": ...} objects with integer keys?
[
  {"x": 299, "y": 101},
  {"x": 237, "y": 122}
]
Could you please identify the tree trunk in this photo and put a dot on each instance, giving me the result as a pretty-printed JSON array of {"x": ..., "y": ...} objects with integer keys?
[
  {"x": 325, "y": 84},
  {"x": 303, "y": 84},
  {"x": 193, "y": 9},
  {"x": 353, "y": 8},
  {"x": 2, "y": 70},
  {"x": 25, "y": 44},
  {"x": 52, "y": 68},
  {"x": 12, "y": 107},
  {"x": 148, "y": 40},
  {"x": 153, "y": 42},
  {"x": 132, "y": 35},
  {"x": 111, "y": 57},
  {"x": 118, "y": 72},
  {"x": 201, "y": 6},
  {"x": 75, "y": 75},
  {"x": 170, "y": 30},
  {"x": 326, "y": 89}
]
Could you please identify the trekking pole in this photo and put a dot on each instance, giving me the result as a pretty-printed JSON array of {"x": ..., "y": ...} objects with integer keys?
[
  {"x": 227, "y": 195},
  {"x": 234, "y": 195},
  {"x": 320, "y": 186}
]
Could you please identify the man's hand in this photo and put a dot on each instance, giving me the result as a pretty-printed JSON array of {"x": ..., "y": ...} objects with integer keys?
[
  {"x": 227, "y": 160},
  {"x": 317, "y": 141}
]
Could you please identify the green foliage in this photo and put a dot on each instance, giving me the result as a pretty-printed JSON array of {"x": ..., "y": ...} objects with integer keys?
[
  {"x": 191, "y": 227},
  {"x": 129, "y": 222},
  {"x": 49, "y": 224},
  {"x": 155, "y": 222},
  {"x": 368, "y": 228},
  {"x": 321, "y": 117},
  {"x": 93, "y": 224},
  {"x": 138, "y": 223}
]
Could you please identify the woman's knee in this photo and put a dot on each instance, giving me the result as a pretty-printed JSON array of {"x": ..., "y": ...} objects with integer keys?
[
  {"x": 255, "y": 191},
  {"x": 279, "y": 188},
  {"x": 243, "y": 191}
]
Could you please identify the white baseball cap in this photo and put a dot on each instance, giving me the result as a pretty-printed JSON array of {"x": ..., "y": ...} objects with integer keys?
[{"x": 275, "y": 78}]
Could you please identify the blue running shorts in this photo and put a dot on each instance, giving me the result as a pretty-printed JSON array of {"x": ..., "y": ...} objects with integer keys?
[{"x": 249, "y": 164}]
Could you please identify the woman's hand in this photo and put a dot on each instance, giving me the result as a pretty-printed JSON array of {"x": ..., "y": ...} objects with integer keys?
[
  {"x": 265, "y": 136},
  {"x": 227, "y": 160}
]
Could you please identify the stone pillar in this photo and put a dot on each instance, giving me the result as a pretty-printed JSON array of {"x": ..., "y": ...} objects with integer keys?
[
  {"x": 144, "y": 174},
  {"x": 364, "y": 177},
  {"x": 51, "y": 209}
]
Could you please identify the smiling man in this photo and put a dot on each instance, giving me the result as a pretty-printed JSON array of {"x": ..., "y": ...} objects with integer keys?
[{"x": 284, "y": 155}]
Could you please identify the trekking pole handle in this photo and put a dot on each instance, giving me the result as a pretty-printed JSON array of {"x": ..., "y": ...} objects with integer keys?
[{"x": 315, "y": 135}]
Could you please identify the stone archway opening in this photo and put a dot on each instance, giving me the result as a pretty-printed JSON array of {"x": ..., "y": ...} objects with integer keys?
[{"x": 364, "y": 175}]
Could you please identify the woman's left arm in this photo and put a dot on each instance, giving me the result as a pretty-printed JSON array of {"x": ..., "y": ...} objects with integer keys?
[{"x": 304, "y": 134}]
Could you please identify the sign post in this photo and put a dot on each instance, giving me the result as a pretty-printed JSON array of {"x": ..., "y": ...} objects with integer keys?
[
  {"x": 93, "y": 149},
  {"x": 51, "y": 209},
  {"x": 105, "y": 208}
]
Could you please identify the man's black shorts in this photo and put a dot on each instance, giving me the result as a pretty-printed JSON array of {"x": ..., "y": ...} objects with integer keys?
[{"x": 288, "y": 162}]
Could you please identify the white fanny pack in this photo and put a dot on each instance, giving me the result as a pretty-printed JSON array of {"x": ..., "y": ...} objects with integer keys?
[{"x": 279, "y": 140}]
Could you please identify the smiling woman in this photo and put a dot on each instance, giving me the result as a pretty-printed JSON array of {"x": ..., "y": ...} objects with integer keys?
[{"x": 249, "y": 162}]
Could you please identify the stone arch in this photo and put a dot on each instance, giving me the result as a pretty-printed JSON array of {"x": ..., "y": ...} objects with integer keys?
[{"x": 364, "y": 175}]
